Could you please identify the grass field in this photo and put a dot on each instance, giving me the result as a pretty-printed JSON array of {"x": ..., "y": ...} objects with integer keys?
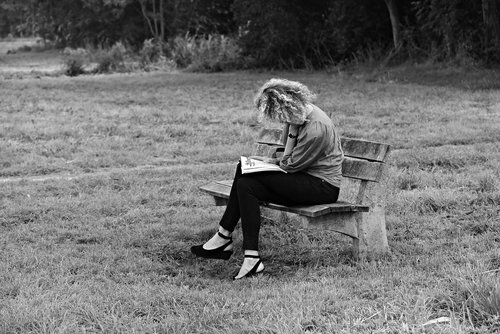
[
  {"x": 99, "y": 204},
  {"x": 17, "y": 64}
]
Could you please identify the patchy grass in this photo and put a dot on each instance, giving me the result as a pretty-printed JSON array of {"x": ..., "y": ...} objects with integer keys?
[
  {"x": 28, "y": 57},
  {"x": 8, "y": 45},
  {"x": 100, "y": 243}
]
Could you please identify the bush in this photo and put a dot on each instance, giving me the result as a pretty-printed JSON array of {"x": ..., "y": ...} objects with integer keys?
[
  {"x": 25, "y": 48},
  {"x": 212, "y": 53},
  {"x": 75, "y": 61},
  {"x": 150, "y": 53},
  {"x": 112, "y": 60},
  {"x": 182, "y": 51}
]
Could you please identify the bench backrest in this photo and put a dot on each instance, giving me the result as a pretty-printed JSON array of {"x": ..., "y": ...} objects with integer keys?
[{"x": 364, "y": 160}]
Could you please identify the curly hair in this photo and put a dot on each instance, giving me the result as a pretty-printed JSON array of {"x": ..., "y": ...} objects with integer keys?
[{"x": 284, "y": 101}]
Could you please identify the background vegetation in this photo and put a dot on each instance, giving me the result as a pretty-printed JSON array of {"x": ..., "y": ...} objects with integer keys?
[{"x": 277, "y": 34}]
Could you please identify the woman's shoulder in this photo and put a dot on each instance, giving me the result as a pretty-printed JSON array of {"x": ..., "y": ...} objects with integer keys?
[
  {"x": 316, "y": 113},
  {"x": 318, "y": 116},
  {"x": 317, "y": 127}
]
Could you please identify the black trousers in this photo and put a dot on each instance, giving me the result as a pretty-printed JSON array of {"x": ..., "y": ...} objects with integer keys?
[{"x": 273, "y": 187}]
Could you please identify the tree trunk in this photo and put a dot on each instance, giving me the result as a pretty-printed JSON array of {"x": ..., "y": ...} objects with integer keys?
[
  {"x": 146, "y": 17},
  {"x": 155, "y": 20},
  {"x": 491, "y": 24},
  {"x": 33, "y": 17},
  {"x": 396, "y": 29},
  {"x": 162, "y": 23}
]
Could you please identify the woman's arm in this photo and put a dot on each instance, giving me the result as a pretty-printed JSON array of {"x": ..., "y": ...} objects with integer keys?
[
  {"x": 284, "y": 133},
  {"x": 311, "y": 144},
  {"x": 291, "y": 139}
]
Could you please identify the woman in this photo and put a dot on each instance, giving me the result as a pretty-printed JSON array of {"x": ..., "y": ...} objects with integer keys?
[{"x": 312, "y": 157}]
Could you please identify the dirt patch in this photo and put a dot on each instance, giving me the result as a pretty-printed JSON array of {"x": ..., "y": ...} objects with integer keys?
[{"x": 104, "y": 172}]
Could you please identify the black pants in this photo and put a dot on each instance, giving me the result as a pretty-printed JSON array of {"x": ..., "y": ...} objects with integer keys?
[{"x": 272, "y": 187}]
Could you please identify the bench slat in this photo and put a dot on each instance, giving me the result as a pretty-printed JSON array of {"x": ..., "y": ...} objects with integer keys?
[
  {"x": 270, "y": 137},
  {"x": 320, "y": 209},
  {"x": 362, "y": 169},
  {"x": 352, "y": 147},
  {"x": 221, "y": 189},
  {"x": 351, "y": 168},
  {"x": 217, "y": 189},
  {"x": 364, "y": 149}
]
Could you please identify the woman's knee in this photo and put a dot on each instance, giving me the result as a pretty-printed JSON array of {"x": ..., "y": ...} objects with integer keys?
[
  {"x": 244, "y": 185},
  {"x": 248, "y": 185}
]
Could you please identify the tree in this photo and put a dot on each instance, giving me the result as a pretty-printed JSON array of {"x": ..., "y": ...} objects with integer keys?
[
  {"x": 491, "y": 21},
  {"x": 269, "y": 31},
  {"x": 395, "y": 23},
  {"x": 309, "y": 33},
  {"x": 153, "y": 13},
  {"x": 17, "y": 17},
  {"x": 81, "y": 22},
  {"x": 277, "y": 33}
]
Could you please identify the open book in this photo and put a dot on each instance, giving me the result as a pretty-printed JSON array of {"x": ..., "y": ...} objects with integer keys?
[{"x": 254, "y": 166}]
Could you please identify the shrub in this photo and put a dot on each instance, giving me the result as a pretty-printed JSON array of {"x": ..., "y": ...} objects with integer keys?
[
  {"x": 112, "y": 60},
  {"x": 150, "y": 53},
  {"x": 182, "y": 50},
  {"x": 75, "y": 61},
  {"x": 212, "y": 53},
  {"x": 25, "y": 48}
]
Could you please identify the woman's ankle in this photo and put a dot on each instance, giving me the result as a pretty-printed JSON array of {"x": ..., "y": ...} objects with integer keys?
[
  {"x": 217, "y": 241},
  {"x": 252, "y": 264},
  {"x": 225, "y": 232},
  {"x": 251, "y": 253}
]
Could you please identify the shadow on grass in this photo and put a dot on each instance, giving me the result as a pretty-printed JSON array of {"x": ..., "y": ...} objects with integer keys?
[
  {"x": 176, "y": 259},
  {"x": 285, "y": 251}
]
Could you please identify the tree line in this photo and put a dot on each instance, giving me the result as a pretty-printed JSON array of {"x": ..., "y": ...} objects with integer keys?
[{"x": 274, "y": 33}]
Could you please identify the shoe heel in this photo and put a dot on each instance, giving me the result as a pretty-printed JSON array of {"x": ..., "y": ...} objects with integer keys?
[
  {"x": 218, "y": 253},
  {"x": 225, "y": 255},
  {"x": 252, "y": 271}
]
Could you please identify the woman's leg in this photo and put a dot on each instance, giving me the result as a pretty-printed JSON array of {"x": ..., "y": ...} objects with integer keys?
[
  {"x": 246, "y": 193},
  {"x": 232, "y": 213},
  {"x": 230, "y": 217},
  {"x": 278, "y": 188},
  {"x": 220, "y": 245},
  {"x": 285, "y": 189}
]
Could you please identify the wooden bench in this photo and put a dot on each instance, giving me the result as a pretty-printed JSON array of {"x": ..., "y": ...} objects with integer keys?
[{"x": 362, "y": 217}]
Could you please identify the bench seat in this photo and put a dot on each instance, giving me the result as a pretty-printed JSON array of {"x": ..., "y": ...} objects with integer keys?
[{"x": 221, "y": 189}]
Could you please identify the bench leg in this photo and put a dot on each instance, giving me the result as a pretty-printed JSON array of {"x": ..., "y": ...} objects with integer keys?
[
  {"x": 344, "y": 223},
  {"x": 367, "y": 230},
  {"x": 372, "y": 236}
]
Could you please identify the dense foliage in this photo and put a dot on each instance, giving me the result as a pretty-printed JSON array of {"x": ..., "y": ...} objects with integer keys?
[{"x": 279, "y": 33}]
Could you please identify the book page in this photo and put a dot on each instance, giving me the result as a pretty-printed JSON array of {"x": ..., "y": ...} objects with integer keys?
[{"x": 253, "y": 166}]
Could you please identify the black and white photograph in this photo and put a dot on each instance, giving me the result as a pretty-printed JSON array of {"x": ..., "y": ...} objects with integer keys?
[{"x": 250, "y": 166}]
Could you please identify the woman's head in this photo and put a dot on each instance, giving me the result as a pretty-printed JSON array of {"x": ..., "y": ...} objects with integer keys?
[{"x": 284, "y": 101}]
